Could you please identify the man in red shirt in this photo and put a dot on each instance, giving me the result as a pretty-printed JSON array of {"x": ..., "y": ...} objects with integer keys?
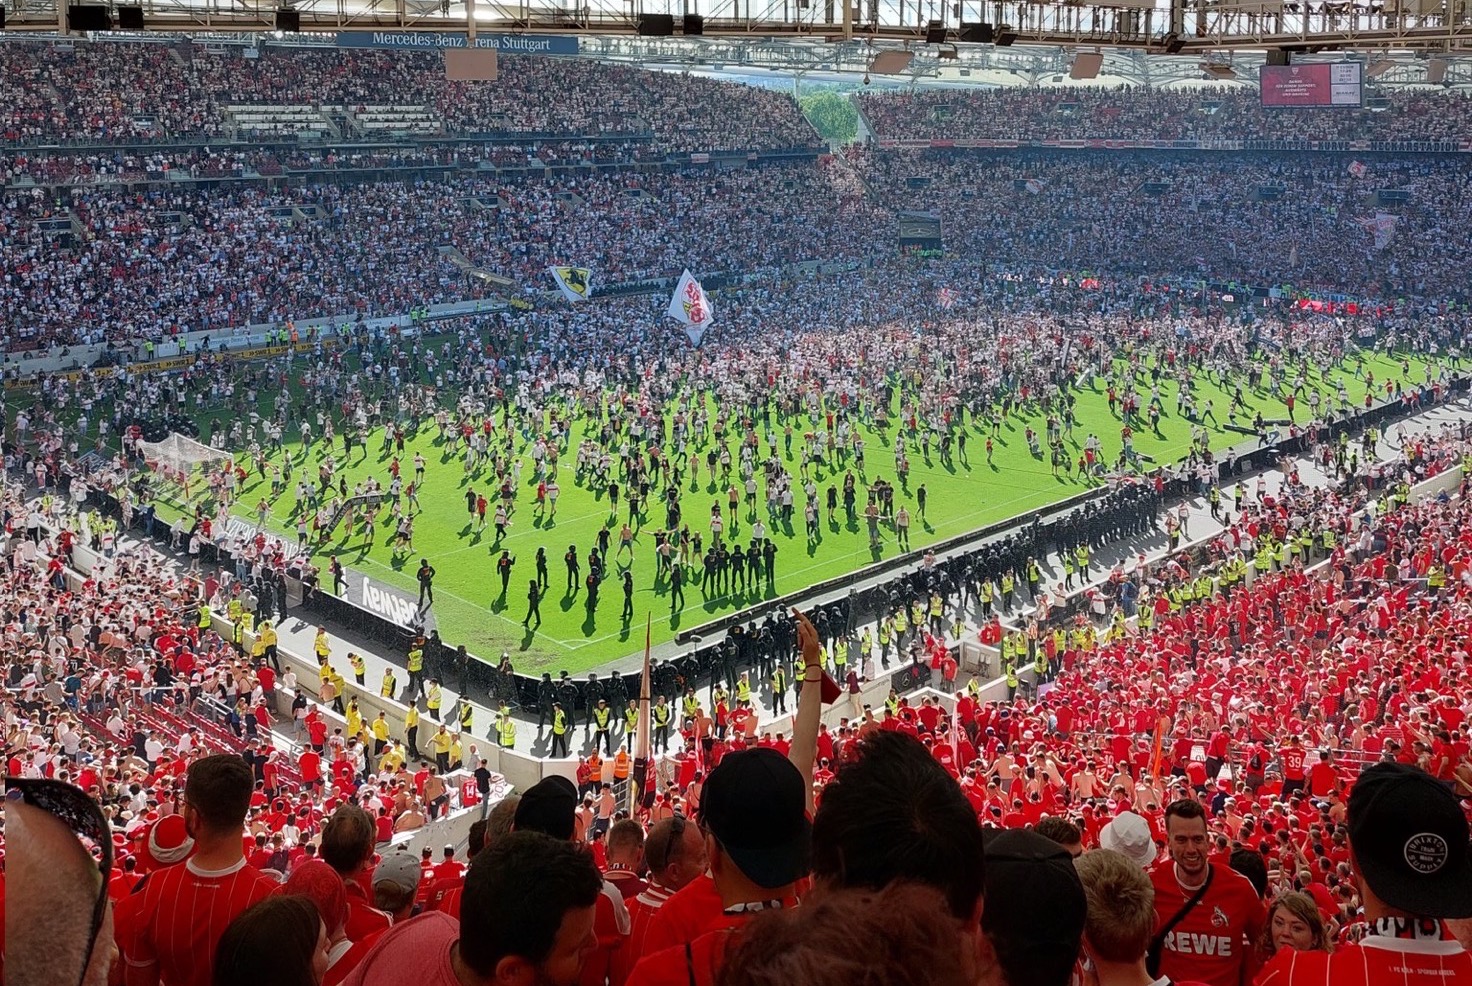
[
  {"x": 348, "y": 839},
  {"x": 675, "y": 854},
  {"x": 1323, "y": 778},
  {"x": 170, "y": 927},
  {"x": 753, "y": 812},
  {"x": 1208, "y": 914},
  {"x": 1408, "y": 840},
  {"x": 1292, "y": 758},
  {"x": 527, "y": 918},
  {"x": 449, "y": 868}
]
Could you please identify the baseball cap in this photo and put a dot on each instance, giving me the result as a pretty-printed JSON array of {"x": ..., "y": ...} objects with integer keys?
[
  {"x": 1129, "y": 835},
  {"x": 1409, "y": 840},
  {"x": 755, "y": 805},
  {"x": 548, "y": 806},
  {"x": 399, "y": 868},
  {"x": 322, "y": 884},
  {"x": 1043, "y": 923}
]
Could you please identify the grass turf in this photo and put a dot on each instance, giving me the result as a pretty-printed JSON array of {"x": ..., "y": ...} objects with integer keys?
[{"x": 469, "y": 608}]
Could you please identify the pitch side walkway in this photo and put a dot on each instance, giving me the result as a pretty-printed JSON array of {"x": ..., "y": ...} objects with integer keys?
[{"x": 297, "y": 634}]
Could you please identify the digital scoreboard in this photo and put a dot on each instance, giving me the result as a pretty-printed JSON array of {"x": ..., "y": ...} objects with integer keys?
[{"x": 1333, "y": 85}]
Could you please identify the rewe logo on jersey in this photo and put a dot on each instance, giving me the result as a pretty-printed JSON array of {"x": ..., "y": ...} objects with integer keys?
[{"x": 1190, "y": 943}]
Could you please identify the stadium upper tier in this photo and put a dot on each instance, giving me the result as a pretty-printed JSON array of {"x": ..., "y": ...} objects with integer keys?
[
  {"x": 1260, "y": 219},
  {"x": 114, "y": 91},
  {"x": 1205, "y": 113},
  {"x": 141, "y": 265},
  {"x": 184, "y": 258}
]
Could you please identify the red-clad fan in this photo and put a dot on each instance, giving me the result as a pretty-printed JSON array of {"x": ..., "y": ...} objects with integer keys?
[
  {"x": 1294, "y": 758},
  {"x": 446, "y": 895},
  {"x": 1207, "y": 915},
  {"x": 348, "y": 847},
  {"x": 674, "y": 852},
  {"x": 1408, "y": 838},
  {"x": 758, "y": 833},
  {"x": 180, "y": 912},
  {"x": 449, "y": 868}
]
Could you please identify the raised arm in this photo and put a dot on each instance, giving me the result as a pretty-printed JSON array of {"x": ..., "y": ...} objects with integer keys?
[{"x": 804, "y": 748}]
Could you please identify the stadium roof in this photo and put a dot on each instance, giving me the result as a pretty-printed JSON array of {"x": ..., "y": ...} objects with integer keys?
[
  {"x": 959, "y": 65},
  {"x": 1192, "y": 26}
]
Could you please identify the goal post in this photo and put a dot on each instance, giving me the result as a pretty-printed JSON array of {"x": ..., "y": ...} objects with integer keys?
[{"x": 180, "y": 458}]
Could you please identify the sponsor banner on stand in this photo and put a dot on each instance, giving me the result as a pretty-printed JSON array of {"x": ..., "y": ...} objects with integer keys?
[{"x": 510, "y": 44}]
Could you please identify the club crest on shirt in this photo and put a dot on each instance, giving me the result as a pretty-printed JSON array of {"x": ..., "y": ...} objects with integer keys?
[{"x": 1219, "y": 918}]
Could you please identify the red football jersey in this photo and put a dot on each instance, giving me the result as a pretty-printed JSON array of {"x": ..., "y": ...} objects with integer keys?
[
  {"x": 1292, "y": 758},
  {"x": 181, "y": 914},
  {"x": 1375, "y": 961},
  {"x": 1213, "y": 942}
]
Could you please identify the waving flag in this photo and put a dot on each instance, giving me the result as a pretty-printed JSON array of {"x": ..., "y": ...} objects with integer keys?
[
  {"x": 1357, "y": 169},
  {"x": 1382, "y": 228},
  {"x": 575, "y": 283},
  {"x": 691, "y": 308}
]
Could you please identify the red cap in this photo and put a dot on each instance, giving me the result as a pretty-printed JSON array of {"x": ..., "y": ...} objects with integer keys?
[{"x": 166, "y": 844}]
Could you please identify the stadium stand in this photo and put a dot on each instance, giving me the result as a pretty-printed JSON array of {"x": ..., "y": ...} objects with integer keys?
[
  {"x": 1130, "y": 113},
  {"x": 155, "y": 189}
]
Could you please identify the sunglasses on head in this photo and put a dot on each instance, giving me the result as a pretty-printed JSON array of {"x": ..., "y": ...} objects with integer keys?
[
  {"x": 677, "y": 830},
  {"x": 73, "y": 808}
]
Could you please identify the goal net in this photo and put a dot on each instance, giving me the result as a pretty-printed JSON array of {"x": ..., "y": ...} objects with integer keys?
[{"x": 179, "y": 458}]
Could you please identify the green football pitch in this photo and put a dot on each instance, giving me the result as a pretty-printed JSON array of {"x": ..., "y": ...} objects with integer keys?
[{"x": 962, "y": 496}]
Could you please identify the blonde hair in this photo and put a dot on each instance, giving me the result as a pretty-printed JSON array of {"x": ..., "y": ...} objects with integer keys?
[
  {"x": 1121, "y": 905},
  {"x": 1303, "y": 907}
]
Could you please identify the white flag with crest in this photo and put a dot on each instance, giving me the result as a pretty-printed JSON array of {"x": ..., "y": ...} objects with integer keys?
[{"x": 691, "y": 308}]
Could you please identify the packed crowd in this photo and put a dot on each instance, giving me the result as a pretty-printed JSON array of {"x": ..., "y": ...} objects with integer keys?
[
  {"x": 1252, "y": 218},
  {"x": 1133, "y": 113},
  {"x": 152, "y": 264},
  {"x": 107, "y": 91},
  {"x": 1361, "y": 664},
  {"x": 1201, "y": 746},
  {"x": 147, "y": 265},
  {"x": 1269, "y": 784}
]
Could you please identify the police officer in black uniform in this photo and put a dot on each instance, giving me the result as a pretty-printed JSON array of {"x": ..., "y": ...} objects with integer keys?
[
  {"x": 546, "y": 695},
  {"x": 592, "y": 693}
]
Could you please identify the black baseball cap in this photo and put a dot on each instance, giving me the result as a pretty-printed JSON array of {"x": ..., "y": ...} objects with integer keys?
[
  {"x": 755, "y": 805},
  {"x": 1409, "y": 839},
  {"x": 1038, "y": 921},
  {"x": 549, "y": 807}
]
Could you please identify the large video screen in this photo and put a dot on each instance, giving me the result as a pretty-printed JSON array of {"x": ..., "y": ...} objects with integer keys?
[{"x": 1331, "y": 85}]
